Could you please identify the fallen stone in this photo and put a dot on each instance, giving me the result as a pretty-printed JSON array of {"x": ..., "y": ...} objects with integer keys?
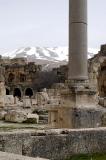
[
  {"x": 32, "y": 118},
  {"x": 15, "y": 116}
]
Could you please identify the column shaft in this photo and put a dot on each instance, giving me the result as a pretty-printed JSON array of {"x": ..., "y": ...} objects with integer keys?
[{"x": 78, "y": 40}]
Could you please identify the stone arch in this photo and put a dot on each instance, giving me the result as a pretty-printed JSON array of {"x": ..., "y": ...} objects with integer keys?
[
  {"x": 17, "y": 93},
  {"x": 11, "y": 77},
  {"x": 7, "y": 91},
  {"x": 29, "y": 92}
]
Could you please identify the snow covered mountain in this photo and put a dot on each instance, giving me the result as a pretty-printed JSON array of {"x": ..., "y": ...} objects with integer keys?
[{"x": 44, "y": 55}]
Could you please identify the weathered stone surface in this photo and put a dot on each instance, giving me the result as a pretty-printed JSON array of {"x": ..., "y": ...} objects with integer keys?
[
  {"x": 2, "y": 94},
  {"x": 11, "y": 156},
  {"x": 104, "y": 119},
  {"x": 27, "y": 102},
  {"x": 15, "y": 116},
  {"x": 54, "y": 144},
  {"x": 78, "y": 108},
  {"x": 102, "y": 101},
  {"x": 65, "y": 117},
  {"x": 9, "y": 100},
  {"x": 105, "y": 102},
  {"x": 32, "y": 118},
  {"x": 2, "y": 115}
]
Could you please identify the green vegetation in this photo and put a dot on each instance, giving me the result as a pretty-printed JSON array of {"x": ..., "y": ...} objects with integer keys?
[
  {"x": 31, "y": 121},
  {"x": 89, "y": 157}
]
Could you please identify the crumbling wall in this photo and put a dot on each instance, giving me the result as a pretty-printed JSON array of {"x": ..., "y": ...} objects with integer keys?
[{"x": 54, "y": 144}]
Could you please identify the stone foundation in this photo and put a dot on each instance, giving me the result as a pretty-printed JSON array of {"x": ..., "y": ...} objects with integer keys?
[
  {"x": 65, "y": 117},
  {"x": 54, "y": 144},
  {"x": 78, "y": 108}
]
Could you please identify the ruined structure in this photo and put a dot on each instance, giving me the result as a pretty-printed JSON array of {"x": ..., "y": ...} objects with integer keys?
[
  {"x": 73, "y": 104},
  {"x": 72, "y": 101},
  {"x": 78, "y": 107},
  {"x": 97, "y": 71},
  {"x": 21, "y": 77}
]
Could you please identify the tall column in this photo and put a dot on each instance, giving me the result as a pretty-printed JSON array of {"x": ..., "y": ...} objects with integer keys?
[
  {"x": 78, "y": 106},
  {"x": 78, "y": 40}
]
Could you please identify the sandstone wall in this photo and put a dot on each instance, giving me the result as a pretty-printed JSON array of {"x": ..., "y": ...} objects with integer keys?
[{"x": 54, "y": 144}]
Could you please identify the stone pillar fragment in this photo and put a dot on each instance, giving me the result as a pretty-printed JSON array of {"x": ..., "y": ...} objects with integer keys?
[{"x": 78, "y": 40}]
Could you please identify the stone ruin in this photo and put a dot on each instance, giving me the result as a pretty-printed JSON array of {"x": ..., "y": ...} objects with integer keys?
[
  {"x": 20, "y": 106},
  {"x": 79, "y": 102},
  {"x": 79, "y": 106},
  {"x": 74, "y": 95}
]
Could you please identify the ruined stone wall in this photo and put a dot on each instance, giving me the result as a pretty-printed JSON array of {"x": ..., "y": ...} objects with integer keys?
[
  {"x": 22, "y": 76},
  {"x": 96, "y": 72},
  {"x": 54, "y": 144}
]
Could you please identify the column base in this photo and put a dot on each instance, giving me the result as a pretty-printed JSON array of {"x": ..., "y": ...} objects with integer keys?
[{"x": 78, "y": 109}]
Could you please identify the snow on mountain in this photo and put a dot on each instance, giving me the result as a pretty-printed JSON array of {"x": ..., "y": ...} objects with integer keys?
[{"x": 54, "y": 54}]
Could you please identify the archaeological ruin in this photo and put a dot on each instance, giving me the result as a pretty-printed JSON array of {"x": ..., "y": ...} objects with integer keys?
[
  {"x": 78, "y": 106},
  {"x": 58, "y": 113}
]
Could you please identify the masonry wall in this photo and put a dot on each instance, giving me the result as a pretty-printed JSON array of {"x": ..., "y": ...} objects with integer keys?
[{"x": 54, "y": 144}]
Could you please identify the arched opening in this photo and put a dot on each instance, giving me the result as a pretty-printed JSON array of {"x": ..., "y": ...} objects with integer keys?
[
  {"x": 11, "y": 77},
  {"x": 17, "y": 93},
  {"x": 29, "y": 92},
  {"x": 7, "y": 91}
]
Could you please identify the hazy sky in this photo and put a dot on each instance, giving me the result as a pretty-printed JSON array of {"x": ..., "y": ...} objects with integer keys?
[{"x": 45, "y": 23}]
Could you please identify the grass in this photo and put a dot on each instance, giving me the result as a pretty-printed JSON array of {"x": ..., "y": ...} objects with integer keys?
[{"x": 89, "y": 157}]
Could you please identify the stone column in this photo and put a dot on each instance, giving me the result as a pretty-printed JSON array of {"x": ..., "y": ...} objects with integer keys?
[
  {"x": 78, "y": 106},
  {"x": 78, "y": 40}
]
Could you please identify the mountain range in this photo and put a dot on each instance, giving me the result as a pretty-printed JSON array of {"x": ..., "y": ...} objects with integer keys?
[{"x": 49, "y": 57}]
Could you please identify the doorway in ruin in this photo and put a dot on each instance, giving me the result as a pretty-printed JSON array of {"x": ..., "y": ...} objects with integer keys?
[
  {"x": 29, "y": 92},
  {"x": 7, "y": 91},
  {"x": 17, "y": 93},
  {"x": 102, "y": 80}
]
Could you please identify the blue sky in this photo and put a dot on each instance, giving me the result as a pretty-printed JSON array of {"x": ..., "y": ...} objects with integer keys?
[{"x": 45, "y": 23}]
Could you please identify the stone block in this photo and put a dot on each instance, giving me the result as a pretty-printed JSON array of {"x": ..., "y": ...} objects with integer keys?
[
  {"x": 34, "y": 102},
  {"x": 9, "y": 100},
  {"x": 2, "y": 102},
  {"x": 32, "y": 118},
  {"x": 15, "y": 116},
  {"x": 2, "y": 115},
  {"x": 27, "y": 102}
]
